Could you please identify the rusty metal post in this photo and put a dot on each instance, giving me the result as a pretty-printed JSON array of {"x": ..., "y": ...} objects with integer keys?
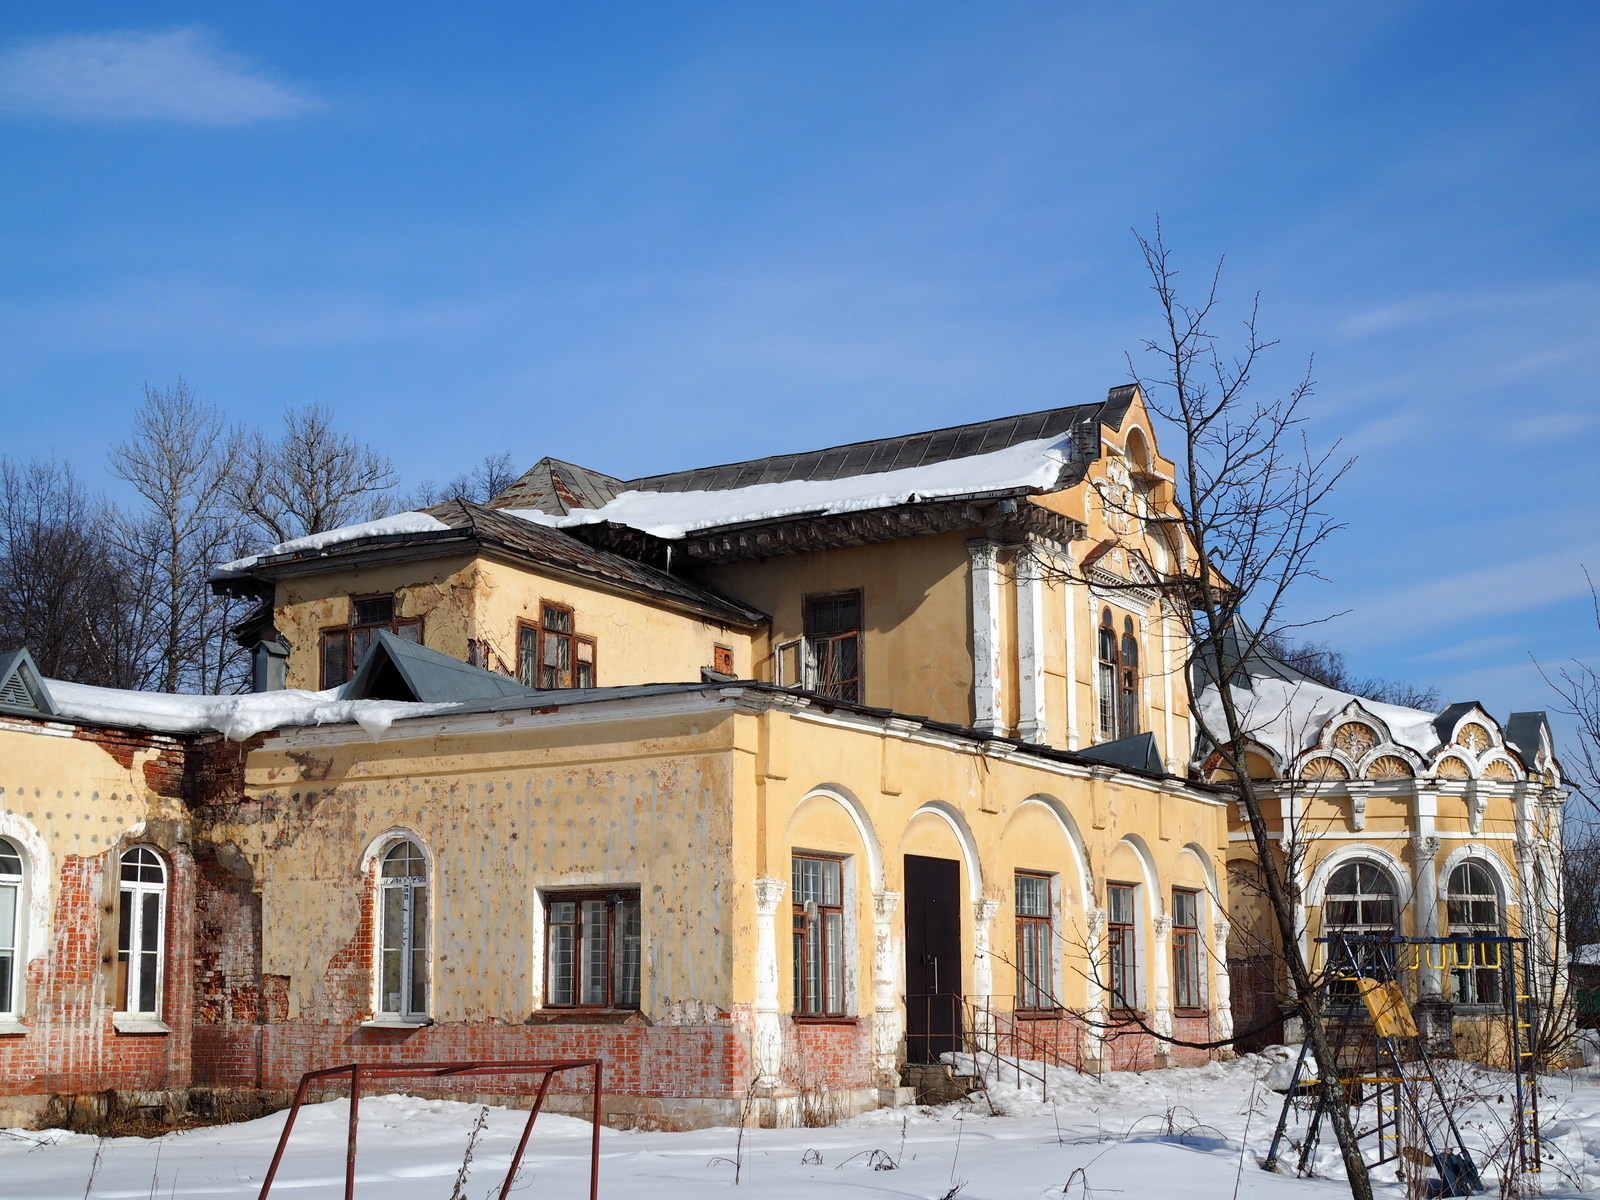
[
  {"x": 594, "y": 1150},
  {"x": 527, "y": 1132},
  {"x": 283, "y": 1138},
  {"x": 350, "y": 1149}
]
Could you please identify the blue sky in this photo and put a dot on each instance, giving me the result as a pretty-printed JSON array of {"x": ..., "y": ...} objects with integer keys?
[{"x": 651, "y": 236}]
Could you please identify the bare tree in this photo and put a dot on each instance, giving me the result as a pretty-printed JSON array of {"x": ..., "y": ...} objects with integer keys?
[
  {"x": 178, "y": 459},
  {"x": 311, "y": 479},
  {"x": 493, "y": 475},
  {"x": 1577, "y": 683},
  {"x": 1246, "y": 527},
  {"x": 1325, "y": 664},
  {"x": 65, "y": 591}
]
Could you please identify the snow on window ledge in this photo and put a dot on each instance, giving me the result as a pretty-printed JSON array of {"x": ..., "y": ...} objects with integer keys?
[
  {"x": 139, "y": 1023},
  {"x": 12, "y": 1027}
]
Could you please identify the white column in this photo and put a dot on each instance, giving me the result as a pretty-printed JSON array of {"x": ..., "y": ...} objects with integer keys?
[
  {"x": 887, "y": 1024},
  {"x": 1161, "y": 979},
  {"x": 983, "y": 912},
  {"x": 1221, "y": 984},
  {"x": 1033, "y": 723},
  {"x": 1069, "y": 593},
  {"x": 769, "y": 1030},
  {"x": 1425, "y": 903},
  {"x": 1095, "y": 983},
  {"x": 985, "y": 636},
  {"x": 1176, "y": 757}
]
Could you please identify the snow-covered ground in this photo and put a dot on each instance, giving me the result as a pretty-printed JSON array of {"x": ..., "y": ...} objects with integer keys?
[{"x": 1168, "y": 1134}]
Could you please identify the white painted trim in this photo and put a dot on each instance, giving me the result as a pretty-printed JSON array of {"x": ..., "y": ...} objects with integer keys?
[
  {"x": 969, "y": 844},
  {"x": 985, "y": 592},
  {"x": 1033, "y": 723},
  {"x": 1474, "y": 852},
  {"x": 859, "y": 816}
]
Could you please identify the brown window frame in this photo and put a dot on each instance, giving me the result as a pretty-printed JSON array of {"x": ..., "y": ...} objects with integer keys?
[
  {"x": 613, "y": 899},
  {"x": 1118, "y": 669},
  {"x": 830, "y": 972},
  {"x": 1123, "y": 936},
  {"x": 1188, "y": 986},
  {"x": 349, "y": 630},
  {"x": 827, "y": 644},
  {"x": 568, "y": 679},
  {"x": 1035, "y": 994}
]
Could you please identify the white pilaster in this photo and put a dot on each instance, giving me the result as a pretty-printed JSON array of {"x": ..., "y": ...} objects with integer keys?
[
  {"x": 1425, "y": 881},
  {"x": 983, "y": 913},
  {"x": 1221, "y": 984},
  {"x": 1161, "y": 979},
  {"x": 985, "y": 636},
  {"x": 1033, "y": 724},
  {"x": 1095, "y": 986},
  {"x": 769, "y": 1030},
  {"x": 1070, "y": 593},
  {"x": 887, "y": 1024}
]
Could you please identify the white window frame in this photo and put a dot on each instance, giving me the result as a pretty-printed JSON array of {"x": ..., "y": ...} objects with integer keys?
[
  {"x": 406, "y": 885},
  {"x": 12, "y": 972},
  {"x": 138, "y": 889},
  {"x": 1471, "y": 931}
]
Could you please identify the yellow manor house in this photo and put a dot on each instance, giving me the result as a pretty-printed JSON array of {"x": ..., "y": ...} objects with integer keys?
[{"x": 771, "y": 784}]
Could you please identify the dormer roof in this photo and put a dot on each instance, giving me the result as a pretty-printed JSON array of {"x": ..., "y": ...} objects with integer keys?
[{"x": 22, "y": 688}]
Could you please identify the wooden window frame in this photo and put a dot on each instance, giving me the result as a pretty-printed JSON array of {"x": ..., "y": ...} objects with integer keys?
[
  {"x": 536, "y": 677},
  {"x": 348, "y": 631},
  {"x": 1122, "y": 950},
  {"x": 11, "y": 947},
  {"x": 614, "y": 899},
  {"x": 1038, "y": 994},
  {"x": 1188, "y": 982},
  {"x": 851, "y": 690},
  {"x": 829, "y": 972},
  {"x": 1483, "y": 983},
  {"x": 1117, "y": 677},
  {"x": 132, "y": 913},
  {"x": 407, "y": 886}
]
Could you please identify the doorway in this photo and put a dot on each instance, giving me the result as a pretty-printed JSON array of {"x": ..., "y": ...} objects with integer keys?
[{"x": 933, "y": 957}]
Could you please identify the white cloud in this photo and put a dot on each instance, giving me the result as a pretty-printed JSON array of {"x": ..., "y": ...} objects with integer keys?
[{"x": 182, "y": 76}]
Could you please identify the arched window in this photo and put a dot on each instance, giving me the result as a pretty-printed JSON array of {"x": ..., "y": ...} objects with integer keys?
[
  {"x": 1361, "y": 901},
  {"x": 141, "y": 932},
  {"x": 1119, "y": 679},
  {"x": 12, "y": 907},
  {"x": 1472, "y": 910},
  {"x": 403, "y": 937}
]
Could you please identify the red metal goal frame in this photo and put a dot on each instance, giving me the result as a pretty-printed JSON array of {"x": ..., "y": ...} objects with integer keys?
[{"x": 441, "y": 1070}]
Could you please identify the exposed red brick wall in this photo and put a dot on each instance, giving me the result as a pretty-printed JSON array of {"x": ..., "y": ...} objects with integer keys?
[{"x": 827, "y": 1055}]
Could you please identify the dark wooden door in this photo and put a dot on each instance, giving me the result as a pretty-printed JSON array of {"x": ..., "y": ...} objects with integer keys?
[{"x": 933, "y": 957}]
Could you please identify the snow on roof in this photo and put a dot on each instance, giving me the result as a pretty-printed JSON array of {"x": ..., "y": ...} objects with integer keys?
[
  {"x": 399, "y": 523},
  {"x": 1287, "y": 715},
  {"x": 1032, "y": 464},
  {"x": 236, "y": 717}
]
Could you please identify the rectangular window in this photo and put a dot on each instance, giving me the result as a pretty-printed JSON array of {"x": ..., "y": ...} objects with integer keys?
[
  {"x": 1186, "y": 949},
  {"x": 344, "y": 646},
  {"x": 551, "y": 655},
  {"x": 592, "y": 943},
  {"x": 1035, "y": 942},
  {"x": 833, "y": 645},
  {"x": 1122, "y": 945},
  {"x": 817, "y": 885}
]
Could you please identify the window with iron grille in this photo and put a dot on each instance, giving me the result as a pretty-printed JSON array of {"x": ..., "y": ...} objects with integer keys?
[
  {"x": 1186, "y": 949},
  {"x": 1123, "y": 944},
  {"x": 1118, "y": 677},
  {"x": 551, "y": 655},
  {"x": 141, "y": 932},
  {"x": 12, "y": 906},
  {"x": 1035, "y": 942},
  {"x": 833, "y": 645},
  {"x": 817, "y": 887},
  {"x": 592, "y": 949},
  {"x": 1472, "y": 910},
  {"x": 403, "y": 932},
  {"x": 344, "y": 646}
]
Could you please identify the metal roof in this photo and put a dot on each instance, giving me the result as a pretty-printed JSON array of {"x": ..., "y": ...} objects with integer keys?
[
  {"x": 1138, "y": 752},
  {"x": 397, "y": 669},
  {"x": 22, "y": 688}
]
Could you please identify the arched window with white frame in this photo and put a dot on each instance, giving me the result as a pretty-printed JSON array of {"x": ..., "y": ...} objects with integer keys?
[
  {"x": 13, "y": 906},
  {"x": 1361, "y": 902},
  {"x": 1472, "y": 912},
  {"x": 403, "y": 932},
  {"x": 141, "y": 932}
]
